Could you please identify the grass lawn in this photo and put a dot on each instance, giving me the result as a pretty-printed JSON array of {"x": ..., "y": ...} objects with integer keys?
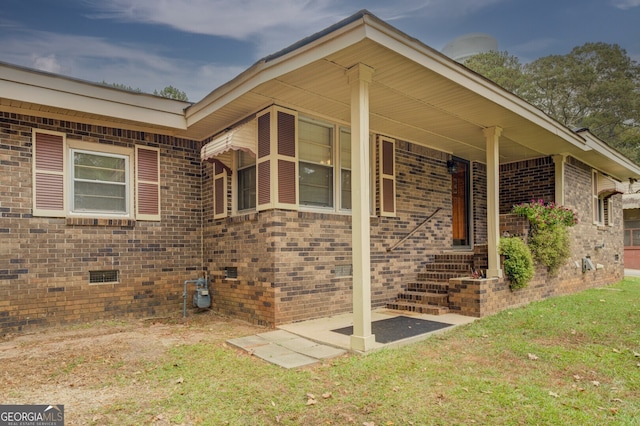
[{"x": 565, "y": 361}]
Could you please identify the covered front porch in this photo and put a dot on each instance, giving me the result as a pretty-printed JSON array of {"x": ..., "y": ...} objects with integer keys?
[{"x": 382, "y": 84}]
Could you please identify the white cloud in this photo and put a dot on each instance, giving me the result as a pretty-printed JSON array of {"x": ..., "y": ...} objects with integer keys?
[
  {"x": 626, "y": 4},
  {"x": 272, "y": 25},
  {"x": 47, "y": 63},
  {"x": 433, "y": 9},
  {"x": 239, "y": 19},
  {"x": 96, "y": 60}
]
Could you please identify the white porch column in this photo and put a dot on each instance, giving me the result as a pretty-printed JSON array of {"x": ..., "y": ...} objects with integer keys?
[
  {"x": 359, "y": 79},
  {"x": 492, "y": 136}
]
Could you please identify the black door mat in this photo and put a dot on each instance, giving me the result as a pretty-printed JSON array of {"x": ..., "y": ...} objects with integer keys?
[{"x": 398, "y": 328}]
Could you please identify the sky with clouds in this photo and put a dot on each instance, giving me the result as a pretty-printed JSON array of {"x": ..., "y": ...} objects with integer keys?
[{"x": 197, "y": 45}]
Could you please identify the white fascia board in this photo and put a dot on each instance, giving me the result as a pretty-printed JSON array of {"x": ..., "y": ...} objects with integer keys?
[
  {"x": 75, "y": 95},
  {"x": 595, "y": 144},
  {"x": 263, "y": 71}
]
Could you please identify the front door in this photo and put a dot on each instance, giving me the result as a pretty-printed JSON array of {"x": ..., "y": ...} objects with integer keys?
[{"x": 460, "y": 201}]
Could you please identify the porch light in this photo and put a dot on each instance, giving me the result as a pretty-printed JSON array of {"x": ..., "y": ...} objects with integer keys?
[{"x": 452, "y": 167}]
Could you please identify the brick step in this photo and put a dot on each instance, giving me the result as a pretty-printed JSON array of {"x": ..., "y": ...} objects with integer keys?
[
  {"x": 441, "y": 276},
  {"x": 454, "y": 257},
  {"x": 424, "y": 298},
  {"x": 431, "y": 287},
  {"x": 449, "y": 267},
  {"x": 418, "y": 308}
]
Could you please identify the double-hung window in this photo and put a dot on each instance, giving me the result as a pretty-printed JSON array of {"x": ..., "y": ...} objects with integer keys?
[
  {"x": 345, "y": 169},
  {"x": 100, "y": 183},
  {"x": 246, "y": 181},
  {"x": 316, "y": 163}
]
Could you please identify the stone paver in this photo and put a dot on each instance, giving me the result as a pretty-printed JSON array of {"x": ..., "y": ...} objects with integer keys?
[{"x": 285, "y": 349}]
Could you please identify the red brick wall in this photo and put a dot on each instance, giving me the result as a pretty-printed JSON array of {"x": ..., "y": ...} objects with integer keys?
[{"x": 45, "y": 262}]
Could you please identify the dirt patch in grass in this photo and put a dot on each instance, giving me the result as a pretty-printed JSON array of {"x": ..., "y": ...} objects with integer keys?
[{"x": 92, "y": 366}]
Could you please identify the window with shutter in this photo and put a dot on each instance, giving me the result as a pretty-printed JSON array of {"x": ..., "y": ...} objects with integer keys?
[
  {"x": 387, "y": 177},
  {"x": 76, "y": 178}
]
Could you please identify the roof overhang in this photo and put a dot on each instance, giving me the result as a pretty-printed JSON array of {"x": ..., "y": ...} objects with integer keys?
[
  {"x": 23, "y": 90},
  {"x": 417, "y": 94}
]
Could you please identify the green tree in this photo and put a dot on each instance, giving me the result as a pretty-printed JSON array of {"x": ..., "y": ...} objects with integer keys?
[
  {"x": 499, "y": 67},
  {"x": 121, "y": 87},
  {"x": 596, "y": 85},
  {"x": 172, "y": 93}
]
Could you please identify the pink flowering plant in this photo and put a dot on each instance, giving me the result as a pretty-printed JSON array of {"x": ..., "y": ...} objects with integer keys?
[
  {"x": 542, "y": 215},
  {"x": 548, "y": 235}
]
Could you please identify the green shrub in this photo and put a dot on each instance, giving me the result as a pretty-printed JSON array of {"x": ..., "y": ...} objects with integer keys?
[
  {"x": 548, "y": 235},
  {"x": 550, "y": 246},
  {"x": 518, "y": 262}
]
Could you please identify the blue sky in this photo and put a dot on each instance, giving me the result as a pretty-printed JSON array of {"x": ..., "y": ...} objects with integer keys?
[{"x": 197, "y": 45}]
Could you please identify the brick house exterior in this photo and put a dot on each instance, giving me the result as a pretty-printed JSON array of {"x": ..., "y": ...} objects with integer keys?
[
  {"x": 255, "y": 187},
  {"x": 46, "y": 261}
]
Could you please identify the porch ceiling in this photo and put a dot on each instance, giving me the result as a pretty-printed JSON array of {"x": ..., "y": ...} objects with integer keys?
[{"x": 407, "y": 101}]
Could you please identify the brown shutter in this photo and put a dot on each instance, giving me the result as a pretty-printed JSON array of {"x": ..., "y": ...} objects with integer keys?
[
  {"x": 277, "y": 162},
  {"x": 264, "y": 135},
  {"x": 219, "y": 191},
  {"x": 48, "y": 172},
  {"x": 287, "y": 160},
  {"x": 264, "y": 187},
  {"x": 263, "y": 162},
  {"x": 387, "y": 177},
  {"x": 147, "y": 183}
]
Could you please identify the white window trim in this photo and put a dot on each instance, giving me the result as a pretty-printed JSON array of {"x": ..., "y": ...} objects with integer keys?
[
  {"x": 334, "y": 158},
  {"x": 98, "y": 149},
  {"x": 73, "y": 181}
]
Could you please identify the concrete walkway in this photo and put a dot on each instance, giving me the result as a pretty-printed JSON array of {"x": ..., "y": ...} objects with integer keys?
[
  {"x": 309, "y": 342},
  {"x": 286, "y": 349},
  {"x": 632, "y": 273}
]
